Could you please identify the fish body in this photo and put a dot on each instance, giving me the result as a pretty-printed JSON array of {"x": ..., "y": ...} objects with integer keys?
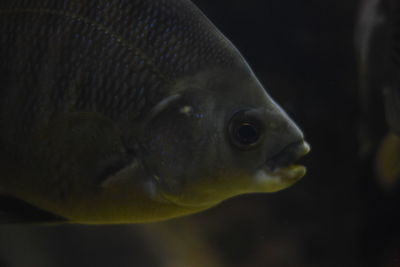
[{"x": 127, "y": 111}]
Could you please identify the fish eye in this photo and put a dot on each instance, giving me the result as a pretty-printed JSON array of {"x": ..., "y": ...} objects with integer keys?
[
  {"x": 245, "y": 130},
  {"x": 247, "y": 133}
]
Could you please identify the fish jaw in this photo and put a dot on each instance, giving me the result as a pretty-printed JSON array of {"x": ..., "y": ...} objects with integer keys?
[
  {"x": 272, "y": 176},
  {"x": 272, "y": 179},
  {"x": 278, "y": 179},
  {"x": 264, "y": 180}
]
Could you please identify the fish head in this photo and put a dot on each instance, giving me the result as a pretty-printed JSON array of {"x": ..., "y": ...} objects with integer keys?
[{"x": 221, "y": 135}]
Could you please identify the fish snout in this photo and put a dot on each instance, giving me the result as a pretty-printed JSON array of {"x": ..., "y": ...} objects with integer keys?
[{"x": 288, "y": 155}]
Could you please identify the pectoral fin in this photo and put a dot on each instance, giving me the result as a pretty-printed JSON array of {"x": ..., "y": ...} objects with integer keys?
[{"x": 89, "y": 148}]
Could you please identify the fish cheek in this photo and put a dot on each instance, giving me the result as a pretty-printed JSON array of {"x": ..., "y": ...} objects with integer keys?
[{"x": 177, "y": 144}]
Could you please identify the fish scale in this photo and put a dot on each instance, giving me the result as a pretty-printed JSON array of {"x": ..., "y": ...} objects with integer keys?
[{"x": 107, "y": 22}]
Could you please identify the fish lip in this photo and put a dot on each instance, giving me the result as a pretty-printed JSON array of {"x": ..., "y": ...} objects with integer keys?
[
  {"x": 267, "y": 180},
  {"x": 287, "y": 156},
  {"x": 290, "y": 172}
]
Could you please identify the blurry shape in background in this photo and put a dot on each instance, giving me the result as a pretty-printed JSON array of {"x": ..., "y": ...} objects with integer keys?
[
  {"x": 370, "y": 30},
  {"x": 378, "y": 53}
]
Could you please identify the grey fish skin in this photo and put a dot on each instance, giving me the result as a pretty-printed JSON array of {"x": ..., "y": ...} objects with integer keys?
[{"x": 133, "y": 111}]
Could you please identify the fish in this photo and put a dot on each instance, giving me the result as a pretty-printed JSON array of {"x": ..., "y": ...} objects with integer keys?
[
  {"x": 378, "y": 53},
  {"x": 131, "y": 111}
]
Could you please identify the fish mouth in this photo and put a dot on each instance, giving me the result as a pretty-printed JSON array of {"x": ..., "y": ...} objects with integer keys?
[
  {"x": 280, "y": 172},
  {"x": 288, "y": 155}
]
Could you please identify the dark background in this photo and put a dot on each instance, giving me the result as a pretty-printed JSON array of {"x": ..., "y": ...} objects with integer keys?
[{"x": 338, "y": 215}]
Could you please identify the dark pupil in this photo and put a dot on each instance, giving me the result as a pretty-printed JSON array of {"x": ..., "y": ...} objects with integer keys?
[{"x": 247, "y": 134}]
